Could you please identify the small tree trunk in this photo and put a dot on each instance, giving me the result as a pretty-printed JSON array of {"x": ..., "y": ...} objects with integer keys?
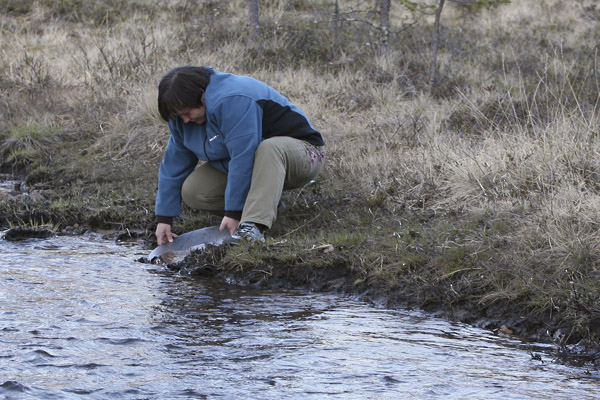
[
  {"x": 436, "y": 45},
  {"x": 384, "y": 22},
  {"x": 336, "y": 22},
  {"x": 253, "y": 22}
]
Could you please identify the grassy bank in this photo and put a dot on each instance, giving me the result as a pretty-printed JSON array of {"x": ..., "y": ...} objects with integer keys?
[{"x": 479, "y": 196}]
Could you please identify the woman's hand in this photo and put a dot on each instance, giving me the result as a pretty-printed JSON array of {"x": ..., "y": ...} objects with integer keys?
[
  {"x": 164, "y": 234},
  {"x": 230, "y": 224}
]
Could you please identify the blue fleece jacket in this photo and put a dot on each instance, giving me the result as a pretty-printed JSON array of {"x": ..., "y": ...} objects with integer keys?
[{"x": 240, "y": 113}]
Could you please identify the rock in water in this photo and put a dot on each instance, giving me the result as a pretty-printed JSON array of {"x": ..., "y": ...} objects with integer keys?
[{"x": 22, "y": 233}]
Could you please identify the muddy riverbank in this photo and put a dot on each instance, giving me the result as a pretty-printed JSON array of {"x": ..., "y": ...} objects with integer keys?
[
  {"x": 364, "y": 263},
  {"x": 339, "y": 277}
]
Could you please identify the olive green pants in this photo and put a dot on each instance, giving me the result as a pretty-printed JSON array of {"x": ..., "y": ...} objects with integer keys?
[{"x": 280, "y": 163}]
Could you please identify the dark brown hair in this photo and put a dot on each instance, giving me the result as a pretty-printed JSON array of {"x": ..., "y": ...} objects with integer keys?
[{"x": 182, "y": 88}]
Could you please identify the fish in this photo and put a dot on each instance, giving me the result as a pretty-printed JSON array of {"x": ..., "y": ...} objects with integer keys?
[{"x": 182, "y": 245}]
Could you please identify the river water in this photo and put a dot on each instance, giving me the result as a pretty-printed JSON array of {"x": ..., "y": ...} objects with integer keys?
[{"x": 81, "y": 319}]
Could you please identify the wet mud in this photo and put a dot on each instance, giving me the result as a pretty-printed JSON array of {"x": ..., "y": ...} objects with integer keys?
[{"x": 23, "y": 233}]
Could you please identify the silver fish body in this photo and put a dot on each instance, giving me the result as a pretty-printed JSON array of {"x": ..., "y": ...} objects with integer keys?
[{"x": 182, "y": 245}]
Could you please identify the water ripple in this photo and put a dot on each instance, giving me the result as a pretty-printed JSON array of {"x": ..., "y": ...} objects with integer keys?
[{"x": 81, "y": 319}]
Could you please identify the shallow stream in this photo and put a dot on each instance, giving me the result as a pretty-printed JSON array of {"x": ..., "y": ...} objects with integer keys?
[{"x": 81, "y": 319}]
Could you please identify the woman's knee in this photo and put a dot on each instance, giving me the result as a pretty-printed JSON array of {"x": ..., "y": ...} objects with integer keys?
[
  {"x": 203, "y": 196},
  {"x": 199, "y": 201}
]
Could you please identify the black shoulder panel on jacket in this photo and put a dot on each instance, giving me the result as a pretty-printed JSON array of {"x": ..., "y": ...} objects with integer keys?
[{"x": 281, "y": 120}]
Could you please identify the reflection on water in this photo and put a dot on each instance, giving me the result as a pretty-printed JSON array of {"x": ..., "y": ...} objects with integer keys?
[{"x": 79, "y": 318}]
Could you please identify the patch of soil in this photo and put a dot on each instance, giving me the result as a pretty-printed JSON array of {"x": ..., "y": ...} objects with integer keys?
[{"x": 22, "y": 233}]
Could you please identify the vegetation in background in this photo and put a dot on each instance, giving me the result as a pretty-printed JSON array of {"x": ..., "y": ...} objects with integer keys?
[{"x": 477, "y": 192}]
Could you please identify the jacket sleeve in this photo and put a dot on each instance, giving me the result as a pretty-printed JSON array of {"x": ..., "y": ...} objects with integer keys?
[
  {"x": 176, "y": 165},
  {"x": 239, "y": 119}
]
